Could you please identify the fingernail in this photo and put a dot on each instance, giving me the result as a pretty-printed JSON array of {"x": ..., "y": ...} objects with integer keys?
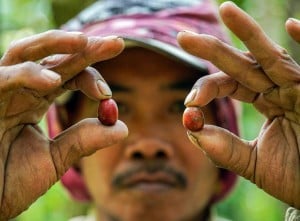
[
  {"x": 228, "y": 3},
  {"x": 196, "y": 142},
  {"x": 294, "y": 20},
  {"x": 112, "y": 37},
  {"x": 193, "y": 139},
  {"x": 191, "y": 96},
  {"x": 50, "y": 75},
  {"x": 188, "y": 32},
  {"x": 103, "y": 88},
  {"x": 76, "y": 32}
]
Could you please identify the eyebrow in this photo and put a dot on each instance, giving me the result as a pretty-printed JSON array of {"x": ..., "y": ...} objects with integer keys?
[
  {"x": 119, "y": 88},
  {"x": 181, "y": 85},
  {"x": 185, "y": 84}
]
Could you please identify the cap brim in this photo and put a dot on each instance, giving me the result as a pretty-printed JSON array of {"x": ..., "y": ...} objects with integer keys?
[
  {"x": 169, "y": 51},
  {"x": 159, "y": 47}
]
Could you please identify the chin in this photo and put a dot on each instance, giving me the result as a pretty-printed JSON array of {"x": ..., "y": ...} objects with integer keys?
[
  {"x": 148, "y": 213},
  {"x": 147, "y": 208}
]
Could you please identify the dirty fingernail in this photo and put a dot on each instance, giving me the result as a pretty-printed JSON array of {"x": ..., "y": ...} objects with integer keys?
[
  {"x": 193, "y": 139},
  {"x": 104, "y": 88},
  {"x": 191, "y": 96}
]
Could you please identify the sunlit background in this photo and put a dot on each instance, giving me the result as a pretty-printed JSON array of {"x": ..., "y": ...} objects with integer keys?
[{"x": 20, "y": 18}]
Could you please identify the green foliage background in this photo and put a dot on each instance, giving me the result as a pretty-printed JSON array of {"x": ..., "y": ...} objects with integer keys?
[{"x": 20, "y": 18}]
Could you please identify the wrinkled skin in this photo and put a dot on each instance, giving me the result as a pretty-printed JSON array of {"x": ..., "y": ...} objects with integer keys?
[
  {"x": 265, "y": 76},
  {"x": 29, "y": 162}
]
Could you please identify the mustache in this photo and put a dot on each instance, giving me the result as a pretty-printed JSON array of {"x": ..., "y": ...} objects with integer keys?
[{"x": 119, "y": 180}]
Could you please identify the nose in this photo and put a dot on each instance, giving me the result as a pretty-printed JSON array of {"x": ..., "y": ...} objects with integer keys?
[{"x": 149, "y": 148}]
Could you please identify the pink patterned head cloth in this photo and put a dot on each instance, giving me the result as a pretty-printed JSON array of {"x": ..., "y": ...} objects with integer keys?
[{"x": 153, "y": 25}]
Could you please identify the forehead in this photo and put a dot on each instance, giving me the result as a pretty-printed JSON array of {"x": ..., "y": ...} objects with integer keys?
[{"x": 138, "y": 63}]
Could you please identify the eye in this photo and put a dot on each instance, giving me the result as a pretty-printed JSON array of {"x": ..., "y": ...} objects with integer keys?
[{"x": 177, "y": 107}]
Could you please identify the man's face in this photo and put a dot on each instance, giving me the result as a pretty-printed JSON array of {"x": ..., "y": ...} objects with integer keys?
[{"x": 156, "y": 173}]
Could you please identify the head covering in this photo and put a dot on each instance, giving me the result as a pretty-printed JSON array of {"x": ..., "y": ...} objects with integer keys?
[{"x": 153, "y": 25}]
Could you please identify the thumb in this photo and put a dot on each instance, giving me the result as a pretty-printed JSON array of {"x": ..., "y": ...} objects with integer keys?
[
  {"x": 83, "y": 139},
  {"x": 225, "y": 149},
  {"x": 293, "y": 28}
]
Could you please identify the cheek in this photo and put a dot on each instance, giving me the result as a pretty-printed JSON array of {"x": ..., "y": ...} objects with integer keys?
[
  {"x": 192, "y": 158},
  {"x": 202, "y": 175},
  {"x": 200, "y": 170},
  {"x": 98, "y": 169}
]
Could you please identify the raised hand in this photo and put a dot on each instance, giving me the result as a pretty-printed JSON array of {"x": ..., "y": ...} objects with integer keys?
[
  {"x": 33, "y": 72},
  {"x": 265, "y": 76}
]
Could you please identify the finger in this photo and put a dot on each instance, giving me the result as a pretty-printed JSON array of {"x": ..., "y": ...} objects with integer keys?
[
  {"x": 218, "y": 85},
  {"x": 293, "y": 28},
  {"x": 97, "y": 49},
  {"x": 42, "y": 45},
  {"x": 28, "y": 75},
  {"x": 233, "y": 62},
  {"x": 91, "y": 83},
  {"x": 274, "y": 60},
  {"x": 83, "y": 139},
  {"x": 225, "y": 149}
]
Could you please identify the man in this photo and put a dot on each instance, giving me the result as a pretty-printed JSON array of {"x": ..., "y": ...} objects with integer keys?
[
  {"x": 177, "y": 172},
  {"x": 156, "y": 170},
  {"x": 129, "y": 176}
]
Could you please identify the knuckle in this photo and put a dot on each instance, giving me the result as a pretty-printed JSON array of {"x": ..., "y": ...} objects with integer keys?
[
  {"x": 216, "y": 43},
  {"x": 205, "y": 80},
  {"x": 28, "y": 67},
  {"x": 281, "y": 56},
  {"x": 15, "y": 75},
  {"x": 282, "y": 51},
  {"x": 26, "y": 70},
  {"x": 94, "y": 73}
]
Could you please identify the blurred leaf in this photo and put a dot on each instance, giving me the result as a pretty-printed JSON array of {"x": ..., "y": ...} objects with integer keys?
[{"x": 33, "y": 14}]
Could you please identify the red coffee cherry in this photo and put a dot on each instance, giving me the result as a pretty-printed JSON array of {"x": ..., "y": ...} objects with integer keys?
[
  {"x": 108, "y": 112},
  {"x": 193, "y": 118}
]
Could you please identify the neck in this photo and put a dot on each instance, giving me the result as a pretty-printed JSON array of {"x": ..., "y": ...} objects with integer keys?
[{"x": 106, "y": 216}]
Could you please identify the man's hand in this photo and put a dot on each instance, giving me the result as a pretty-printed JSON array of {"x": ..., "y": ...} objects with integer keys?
[
  {"x": 267, "y": 77},
  {"x": 30, "y": 163}
]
